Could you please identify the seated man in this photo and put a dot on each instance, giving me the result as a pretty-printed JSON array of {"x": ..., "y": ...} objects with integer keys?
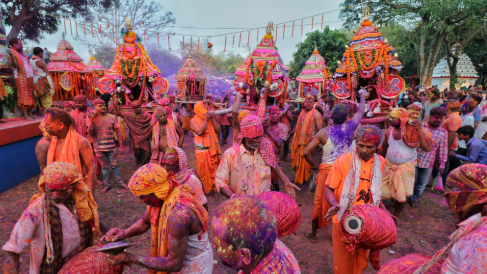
[
  {"x": 178, "y": 224},
  {"x": 242, "y": 163},
  {"x": 244, "y": 235},
  {"x": 355, "y": 175},
  {"x": 174, "y": 160},
  {"x": 57, "y": 240},
  {"x": 476, "y": 148},
  {"x": 65, "y": 145}
]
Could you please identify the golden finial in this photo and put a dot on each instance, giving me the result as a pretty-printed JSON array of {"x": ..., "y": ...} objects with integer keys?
[
  {"x": 386, "y": 41},
  {"x": 354, "y": 31},
  {"x": 396, "y": 55},
  {"x": 189, "y": 55},
  {"x": 63, "y": 35},
  {"x": 378, "y": 26},
  {"x": 339, "y": 63},
  {"x": 128, "y": 23},
  {"x": 366, "y": 12},
  {"x": 270, "y": 28},
  {"x": 347, "y": 46}
]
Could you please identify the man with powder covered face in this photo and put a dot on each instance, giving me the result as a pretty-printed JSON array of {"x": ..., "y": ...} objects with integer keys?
[
  {"x": 245, "y": 168},
  {"x": 57, "y": 224},
  {"x": 165, "y": 133},
  {"x": 139, "y": 124},
  {"x": 244, "y": 235},
  {"x": 399, "y": 148},
  {"x": 309, "y": 122},
  {"x": 174, "y": 160},
  {"x": 178, "y": 225},
  {"x": 359, "y": 174},
  {"x": 336, "y": 140}
]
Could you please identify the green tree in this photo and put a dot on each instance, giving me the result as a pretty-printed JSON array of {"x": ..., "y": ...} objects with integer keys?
[
  {"x": 31, "y": 15},
  {"x": 477, "y": 51},
  {"x": 435, "y": 20},
  {"x": 330, "y": 44}
]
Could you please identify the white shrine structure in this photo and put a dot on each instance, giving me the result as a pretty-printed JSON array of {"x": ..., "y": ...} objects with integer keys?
[{"x": 465, "y": 68}]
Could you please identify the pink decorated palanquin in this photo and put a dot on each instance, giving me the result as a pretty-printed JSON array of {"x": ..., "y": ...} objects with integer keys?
[
  {"x": 191, "y": 82},
  {"x": 70, "y": 76},
  {"x": 315, "y": 76},
  {"x": 262, "y": 77},
  {"x": 98, "y": 70},
  {"x": 368, "y": 63},
  {"x": 133, "y": 70}
]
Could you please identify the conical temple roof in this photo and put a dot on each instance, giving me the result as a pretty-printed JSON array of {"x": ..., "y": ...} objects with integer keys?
[
  {"x": 313, "y": 70},
  {"x": 369, "y": 44},
  {"x": 191, "y": 71},
  {"x": 66, "y": 60},
  {"x": 266, "y": 50},
  {"x": 465, "y": 67},
  {"x": 93, "y": 64}
]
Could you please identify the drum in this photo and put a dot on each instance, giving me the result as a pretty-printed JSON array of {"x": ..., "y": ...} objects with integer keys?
[
  {"x": 88, "y": 262},
  {"x": 42, "y": 87},
  {"x": 368, "y": 227},
  {"x": 285, "y": 209}
]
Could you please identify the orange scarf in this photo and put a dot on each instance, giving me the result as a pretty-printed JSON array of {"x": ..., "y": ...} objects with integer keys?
[
  {"x": 184, "y": 195},
  {"x": 70, "y": 152}
]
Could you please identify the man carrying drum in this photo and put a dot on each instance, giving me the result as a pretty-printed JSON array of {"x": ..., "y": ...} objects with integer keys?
[{"x": 355, "y": 178}]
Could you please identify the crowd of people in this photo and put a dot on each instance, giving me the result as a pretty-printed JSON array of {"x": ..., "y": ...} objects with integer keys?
[{"x": 428, "y": 137}]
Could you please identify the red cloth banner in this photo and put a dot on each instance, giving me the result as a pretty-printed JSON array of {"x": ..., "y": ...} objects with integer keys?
[
  {"x": 239, "y": 39},
  {"x": 65, "y": 32},
  {"x": 283, "y": 31},
  {"x": 301, "y": 27},
  {"x": 248, "y": 39},
  {"x": 292, "y": 32},
  {"x": 322, "y": 16},
  {"x": 225, "y": 47},
  {"x": 312, "y": 22},
  {"x": 71, "y": 27}
]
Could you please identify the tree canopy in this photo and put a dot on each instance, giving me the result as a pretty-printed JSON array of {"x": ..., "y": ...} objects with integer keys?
[
  {"x": 330, "y": 44},
  {"x": 35, "y": 17}
]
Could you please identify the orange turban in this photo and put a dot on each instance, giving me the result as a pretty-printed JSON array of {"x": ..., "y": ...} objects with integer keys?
[
  {"x": 60, "y": 175},
  {"x": 148, "y": 179},
  {"x": 400, "y": 113},
  {"x": 409, "y": 134}
]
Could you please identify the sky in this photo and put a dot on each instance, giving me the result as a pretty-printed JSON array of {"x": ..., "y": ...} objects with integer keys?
[{"x": 232, "y": 14}]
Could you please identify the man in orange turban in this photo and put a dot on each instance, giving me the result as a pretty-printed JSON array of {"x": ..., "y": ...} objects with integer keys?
[
  {"x": 47, "y": 223},
  {"x": 310, "y": 121},
  {"x": 399, "y": 148},
  {"x": 178, "y": 224},
  {"x": 207, "y": 152}
]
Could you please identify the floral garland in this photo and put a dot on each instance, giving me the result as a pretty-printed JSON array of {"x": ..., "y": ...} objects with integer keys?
[
  {"x": 129, "y": 56},
  {"x": 132, "y": 79},
  {"x": 386, "y": 68},
  {"x": 349, "y": 81},
  {"x": 99, "y": 75},
  {"x": 128, "y": 39},
  {"x": 78, "y": 68}
]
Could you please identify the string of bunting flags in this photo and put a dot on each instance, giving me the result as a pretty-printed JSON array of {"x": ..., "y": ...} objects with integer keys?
[{"x": 91, "y": 26}]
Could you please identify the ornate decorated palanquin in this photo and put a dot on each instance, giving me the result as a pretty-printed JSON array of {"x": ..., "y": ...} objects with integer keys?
[
  {"x": 70, "y": 76},
  {"x": 262, "y": 77},
  {"x": 315, "y": 76},
  {"x": 368, "y": 63},
  {"x": 97, "y": 68},
  {"x": 191, "y": 82},
  {"x": 132, "y": 69},
  {"x": 6, "y": 71}
]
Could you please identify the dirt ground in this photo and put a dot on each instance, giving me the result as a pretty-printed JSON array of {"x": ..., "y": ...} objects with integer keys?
[{"x": 422, "y": 230}]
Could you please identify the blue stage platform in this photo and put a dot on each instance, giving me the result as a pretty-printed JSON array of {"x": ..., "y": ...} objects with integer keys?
[{"x": 18, "y": 161}]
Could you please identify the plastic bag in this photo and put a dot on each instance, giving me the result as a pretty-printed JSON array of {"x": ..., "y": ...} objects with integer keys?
[{"x": 439, "y": 184}]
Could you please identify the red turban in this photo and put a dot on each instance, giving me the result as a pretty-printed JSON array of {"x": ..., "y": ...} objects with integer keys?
[{"x": 285, "y": 209}]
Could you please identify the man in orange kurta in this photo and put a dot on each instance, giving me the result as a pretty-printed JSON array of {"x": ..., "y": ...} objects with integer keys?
[
  {"x": 309, "y": 122},
  {"x": 359, "y": 174},
  {"x": 207, "y": 152}
]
